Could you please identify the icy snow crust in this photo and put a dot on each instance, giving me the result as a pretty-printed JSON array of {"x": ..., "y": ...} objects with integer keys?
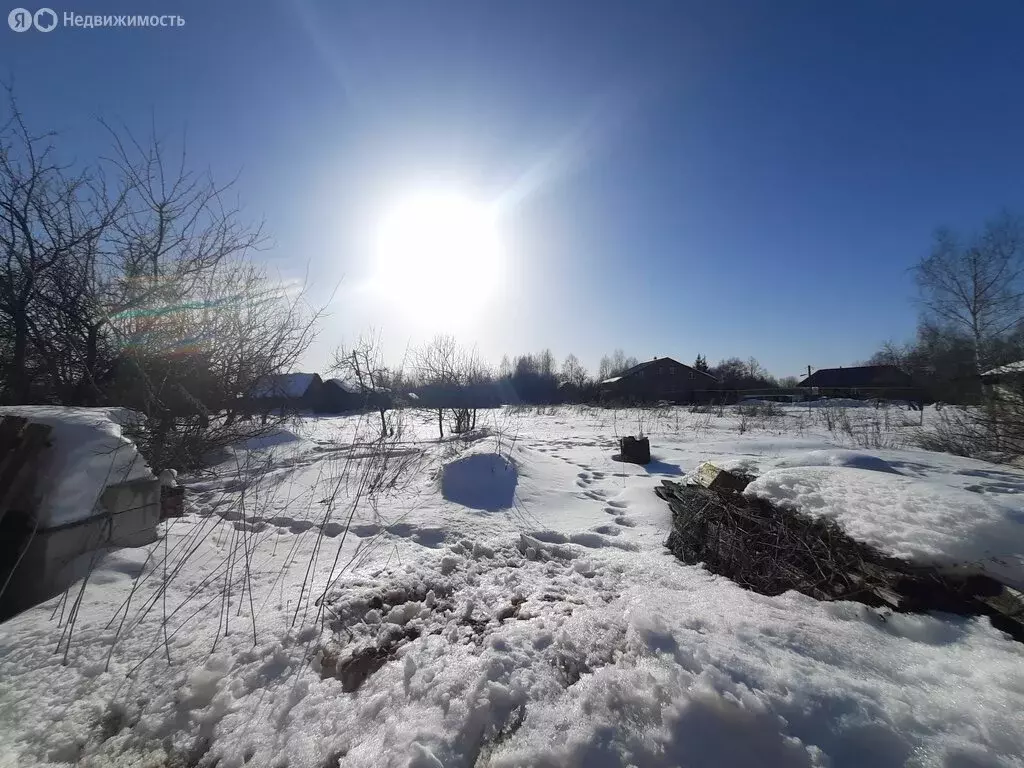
[
  {"x": 87, "y": 453},
  {"x": 514, "y": 605}
]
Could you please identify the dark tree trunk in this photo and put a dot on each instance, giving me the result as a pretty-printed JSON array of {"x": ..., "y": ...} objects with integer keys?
[
  {"x": 88, "y": 390},
  {"x": 17, "y": 380}
]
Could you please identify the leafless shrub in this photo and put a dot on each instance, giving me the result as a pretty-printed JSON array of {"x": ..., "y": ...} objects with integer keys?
[
  {"x": 701, "y": 425},
  {"x": 959, "y": 431},
  {"x": 451, "y": 371},
  {"x": 872, "y": 433},
  {"x": 760, "y": 409},
  {"x": 362, "y": 365}
]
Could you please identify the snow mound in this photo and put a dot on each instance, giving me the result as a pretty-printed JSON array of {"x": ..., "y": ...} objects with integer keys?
[
  {"x": 839, "y": 458},
  {"x": 909, "y": 518},
  {"x": 484, "y": 481},
  {"x": 87, "y": 453}
]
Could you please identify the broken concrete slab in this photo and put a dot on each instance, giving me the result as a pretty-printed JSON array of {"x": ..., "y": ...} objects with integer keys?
[{"x": 718, "y": 479}]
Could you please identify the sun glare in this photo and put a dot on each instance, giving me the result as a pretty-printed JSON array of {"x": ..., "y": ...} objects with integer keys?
[{"x": 436, "y": 249}]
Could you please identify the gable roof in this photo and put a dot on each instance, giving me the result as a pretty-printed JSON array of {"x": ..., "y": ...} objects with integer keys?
[
  {"x": 1009, "y": 368},
  {"x": 656, "y": 361},
  {"x": 344, "y": 386},
  {"x": 858, "y": 376},
  {"x": 293, "y": 385}
]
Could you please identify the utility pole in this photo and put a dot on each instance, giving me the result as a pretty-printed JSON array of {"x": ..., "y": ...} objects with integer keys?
[{"x": 808, "y": 402}]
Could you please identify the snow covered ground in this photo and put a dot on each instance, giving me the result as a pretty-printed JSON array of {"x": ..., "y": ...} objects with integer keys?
[{"x": 507, "y": 600}]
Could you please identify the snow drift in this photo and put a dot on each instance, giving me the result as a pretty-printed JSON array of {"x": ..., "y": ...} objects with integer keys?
[{"x": 485, "y": 481}]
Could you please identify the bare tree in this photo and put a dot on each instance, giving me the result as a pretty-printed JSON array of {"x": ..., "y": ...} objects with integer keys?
[
  {"x": 755, "y": 370},
  {"x": 892, "y": 354},
  {"x": 615, "y": 364},
  {"x": 573, "y": 372},
  {"x": 193, "y": 372},
  {"x": 475, "y": 374},
  {"x": 620, "y": 363},
  {"x": 451, "y": 371},
  {"x": 546, "y": 364},
  {"x": 439, "y": 364},
  {"x": 128, "y": 283},
  {"x": 976, "y": 286},
  {"x": 49, "y": 227},
  {"x": 505, "y": 369},
  {"x": 363, "y": 366}
]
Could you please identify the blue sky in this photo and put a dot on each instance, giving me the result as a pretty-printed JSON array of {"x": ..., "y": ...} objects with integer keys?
[{"x": 729, "y": 178}]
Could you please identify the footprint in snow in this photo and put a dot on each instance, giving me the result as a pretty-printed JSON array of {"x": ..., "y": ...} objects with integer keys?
[{"x": 331, "y": 530}]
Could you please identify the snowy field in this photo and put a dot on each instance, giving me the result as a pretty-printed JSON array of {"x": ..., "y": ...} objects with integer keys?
[{"x": 506, "y": 599}]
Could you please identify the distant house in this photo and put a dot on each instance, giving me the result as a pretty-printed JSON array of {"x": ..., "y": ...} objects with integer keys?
[
  {"x": 288, "y": 392},
  {"x": 660, "y": 379},
  {"x": 885, "y": 382},
  {"x": 340, "y": 396},
  {"x": 1005, "y": 383}
]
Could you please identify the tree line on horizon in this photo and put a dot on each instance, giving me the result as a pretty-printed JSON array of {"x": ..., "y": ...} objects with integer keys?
[{"x": 538, "y": 378}]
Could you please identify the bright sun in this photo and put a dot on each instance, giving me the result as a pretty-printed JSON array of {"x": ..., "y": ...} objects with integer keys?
[{"x": 433, "y": 249}]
